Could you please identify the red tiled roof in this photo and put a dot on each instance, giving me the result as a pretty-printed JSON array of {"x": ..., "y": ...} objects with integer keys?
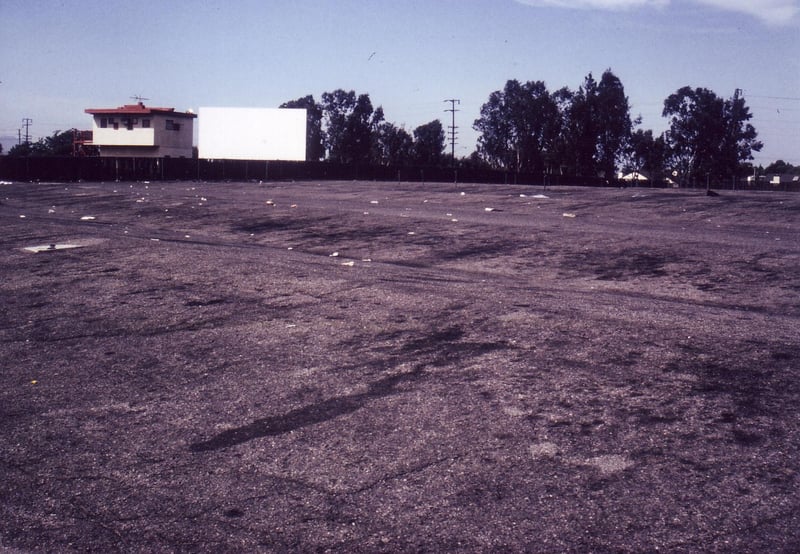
[{"x": 137, "y": 109}]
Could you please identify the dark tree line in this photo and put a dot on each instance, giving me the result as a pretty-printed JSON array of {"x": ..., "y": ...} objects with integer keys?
[
  {"x": 589, "y": 131},
  {"x": 345, "y": 128},
  {"x": 60, "y": 143},
  {"x": 526, "y": 128}
]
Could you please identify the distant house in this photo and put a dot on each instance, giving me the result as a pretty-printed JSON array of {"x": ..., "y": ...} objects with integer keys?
[
  {"x": 136, "y": 130},
  {"x": 775, "y": 179},
  {"x": 633, "y": 176}
]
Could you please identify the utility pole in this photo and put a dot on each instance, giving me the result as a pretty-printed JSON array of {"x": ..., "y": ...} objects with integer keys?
[
  {"x": 734, "y": 130},
  {"x": 26, "y": 122},
  {"x": 452, "y": 127}
]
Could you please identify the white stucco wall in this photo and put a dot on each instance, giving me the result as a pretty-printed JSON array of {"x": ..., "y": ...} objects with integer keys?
[{"x": 153, "y": 141}]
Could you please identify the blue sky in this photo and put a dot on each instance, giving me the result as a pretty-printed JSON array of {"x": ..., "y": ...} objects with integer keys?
[{"x": 59, "y": 57}]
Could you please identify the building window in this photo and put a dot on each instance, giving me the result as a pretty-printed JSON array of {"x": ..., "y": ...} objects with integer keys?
[
  {"x": 172, "y": 126},
  {"x": 103, "y": 122},
  {"x": 145, "y": 123},
  {"x": 128, "y": 122}
]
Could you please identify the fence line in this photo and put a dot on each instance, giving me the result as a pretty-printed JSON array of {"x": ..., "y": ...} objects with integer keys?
[{"x": 69, "y": 169}]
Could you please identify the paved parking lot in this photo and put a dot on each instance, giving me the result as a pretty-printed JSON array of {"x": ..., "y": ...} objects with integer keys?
[{"x": 397, "y": 367}]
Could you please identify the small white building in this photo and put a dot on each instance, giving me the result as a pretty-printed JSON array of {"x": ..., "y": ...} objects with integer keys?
[
  {"x": 633, "y": 176},
  {"x": 136, "y": 130}
]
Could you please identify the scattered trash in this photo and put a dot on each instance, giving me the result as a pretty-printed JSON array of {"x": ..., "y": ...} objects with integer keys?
[
  {"x": 523, "y": 195},
  {"x": 293, "y": 206},
  {"x": 156, "y": 240},
  {"x": 449, "y": 215},
  {"x": 567, "y": 214},
  {"x": 5, "y": 183},
  {"x": 22, "y": 217},
  {"x": 349, "y": 264},
  {"x": 454, "y": 220},
  {"x": 186, "y": 236},
  {"x": 334, "y": 255},
  {"x": 540, "y": 196},
  {"x": 463, "y": 193},
  {"x": 88, "y": 218},
  {"x": 491, "y": 210},
  {"x": 411, "y": 233},
  {"x": 366, "y": 259},
  {"x": 270, "y": 203},
  {"x": 290, "y": 248},
  {"x": 543, "y": 450},
  {"x": 610, "y": 463},
  {"x": 51, "y": 211},
  {"x": 290, "y": 325},
  {"x": 373, "y": 201},
  {"x": 366, "y": 213},
  {"x": 34, "y": 381}
]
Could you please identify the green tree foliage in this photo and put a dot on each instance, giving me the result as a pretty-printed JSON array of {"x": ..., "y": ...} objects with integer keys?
[
  {"x": 518, "y": 126},
  {"x": 60, "y": 143},
  {"x": 646, "y": 154},
  {"x": 781, "y": 166},
  {"x": 394, "y": 146},
  {"x": 580, "y": 132},
  {"x": 708, "y": 137},
  {"x": 526, "y": 128},
  {"x": 597, "y": 126},
  {"x": 315, "y": 143},
  {"x": 614, "y": 123},
  {"x": 351, "y": 126},
  {"x": 429, "y": 143}
]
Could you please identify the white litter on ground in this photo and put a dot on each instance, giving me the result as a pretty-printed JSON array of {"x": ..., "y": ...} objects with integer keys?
[
  {"x": 88, "y": 218},
  {"x": 50, "y": 247},
  {"x": 543, "y": 450},
  {"x": 565, "y": 214},
  {"x": 610, "y": 463},
  {"x": 539, "y": 196}
]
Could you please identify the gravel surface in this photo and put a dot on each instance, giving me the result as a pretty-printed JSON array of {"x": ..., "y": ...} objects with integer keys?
[{"x": 398, "y": 367}]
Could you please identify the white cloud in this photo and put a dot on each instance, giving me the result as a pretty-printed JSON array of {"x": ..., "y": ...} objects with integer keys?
[
  {"x": 599, "y": 4},
  {"x": 774, "y": 12}
]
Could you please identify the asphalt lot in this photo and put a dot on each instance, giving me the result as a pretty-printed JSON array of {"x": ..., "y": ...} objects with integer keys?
[{"x": 398, "y": 367}]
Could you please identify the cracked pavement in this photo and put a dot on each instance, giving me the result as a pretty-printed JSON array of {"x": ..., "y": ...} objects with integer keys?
[{"x": 398, "y": 367}]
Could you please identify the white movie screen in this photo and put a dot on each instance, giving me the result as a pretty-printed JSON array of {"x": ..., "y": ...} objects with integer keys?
[{"x": 252, "y": 134}]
